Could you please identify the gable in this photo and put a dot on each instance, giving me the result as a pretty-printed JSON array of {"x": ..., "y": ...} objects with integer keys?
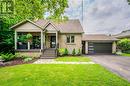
[
  {"x": 28, "y": 27},
  {"x": 50, "y": 28}
]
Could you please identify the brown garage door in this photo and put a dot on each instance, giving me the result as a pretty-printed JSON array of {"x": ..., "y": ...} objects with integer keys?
[{"x": 100, "y": 48}]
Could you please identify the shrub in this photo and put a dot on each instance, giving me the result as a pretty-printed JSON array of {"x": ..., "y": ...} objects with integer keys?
[
  {"x": 22, "y": 39},
  {"x": 66, "y": 51},
  {"x": 27, "y": 59},
  {"x": 61, "y": 51},
  {"x": 124, "y": 45},
  {"x": 79, "y": 52},
  {"x": 7, "y": 57},
  {"x": 73, "y": 52}
]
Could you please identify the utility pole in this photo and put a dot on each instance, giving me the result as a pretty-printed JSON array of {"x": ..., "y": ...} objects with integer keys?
[{"x": 83, "y": 13}]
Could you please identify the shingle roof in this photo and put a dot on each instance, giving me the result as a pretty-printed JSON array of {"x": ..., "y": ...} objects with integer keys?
[
  {"x": 70, "y": 26},
  {"x": 123, "y": 34},
  {"x": 98, "y": 37}
]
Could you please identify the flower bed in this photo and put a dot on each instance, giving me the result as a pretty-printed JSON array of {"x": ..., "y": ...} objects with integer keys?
[{"x": 16, "y": 62}]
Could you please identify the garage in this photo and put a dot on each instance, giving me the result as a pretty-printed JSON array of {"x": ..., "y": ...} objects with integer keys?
[
  {"x": 98, "y": 44},
  {"x": 99, "y": 48}
]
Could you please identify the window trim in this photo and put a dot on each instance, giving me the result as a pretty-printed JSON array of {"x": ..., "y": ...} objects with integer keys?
[{"x": 70, "y": 37}]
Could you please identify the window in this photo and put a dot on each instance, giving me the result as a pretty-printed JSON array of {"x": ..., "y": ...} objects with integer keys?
[{"x": 70, "y": 39}]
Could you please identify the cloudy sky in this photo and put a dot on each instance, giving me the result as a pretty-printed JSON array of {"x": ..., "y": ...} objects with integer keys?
[{"x": 101, "y": 16}]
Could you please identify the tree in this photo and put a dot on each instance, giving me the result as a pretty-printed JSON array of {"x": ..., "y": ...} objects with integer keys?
[
  {"x": 128, "y": 2},
  {"x": 124, "y": 44},
  {"x": 35, "y": 9}
]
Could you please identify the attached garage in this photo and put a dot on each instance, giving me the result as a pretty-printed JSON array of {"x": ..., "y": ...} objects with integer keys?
[
  {"x": 99, "y": 48},
  {"x": 98, "y": 44}
]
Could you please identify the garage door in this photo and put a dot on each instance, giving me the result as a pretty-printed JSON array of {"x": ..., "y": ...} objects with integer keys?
[{"x": 100, "y": 48}]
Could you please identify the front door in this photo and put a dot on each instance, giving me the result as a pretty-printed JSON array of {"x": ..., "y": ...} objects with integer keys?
[{"x": 53, "y": 42}]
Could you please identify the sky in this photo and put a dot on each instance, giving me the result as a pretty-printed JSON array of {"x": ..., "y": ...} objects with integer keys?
[{"x": 101, "y": 16}]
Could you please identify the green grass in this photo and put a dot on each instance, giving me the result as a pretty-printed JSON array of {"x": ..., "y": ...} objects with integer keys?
[
  {"x": 73, "y": 59},
  {"x": 59, "y": 75},
  {"x": 125, "y": 54}
]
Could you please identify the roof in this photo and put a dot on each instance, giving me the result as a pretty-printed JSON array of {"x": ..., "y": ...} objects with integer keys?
[
  {"x": 123, "y": 34},
  {"x": 25, "y": 21},
  {"x": 70, "y": 26},
  {"x": 98, "y": 37}
]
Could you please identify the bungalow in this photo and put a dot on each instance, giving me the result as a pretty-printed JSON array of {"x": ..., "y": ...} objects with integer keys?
[{"x": 48, "y": 36}]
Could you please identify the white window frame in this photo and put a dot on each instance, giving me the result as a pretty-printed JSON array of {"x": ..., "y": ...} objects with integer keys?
[{"x": 70, "y": 41}]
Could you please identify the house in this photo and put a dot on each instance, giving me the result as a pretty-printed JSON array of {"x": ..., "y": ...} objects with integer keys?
[
  {"x": 48, "y": 36},
  {"x": 123, "y": 34}
]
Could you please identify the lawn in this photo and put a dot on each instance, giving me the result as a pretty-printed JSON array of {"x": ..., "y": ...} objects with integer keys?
[
  {"x": 73, "y": 59},
  {"x": 59, "y": 75},
  {"x": 125, "y": 54}
]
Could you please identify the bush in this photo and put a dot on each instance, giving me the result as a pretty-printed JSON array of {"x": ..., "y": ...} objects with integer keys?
[
  {"x": 124, "y": 45},
  {"x": 73, "y": 52},
  {"x": 7, "y": 57},
  {"x": 61, "y": 51},
  {"x": 79, "y": 52},
  {"x": 128, "y": 51},
  {"x": 27, "y": 59},
  {"x": 66, "y": 51}
]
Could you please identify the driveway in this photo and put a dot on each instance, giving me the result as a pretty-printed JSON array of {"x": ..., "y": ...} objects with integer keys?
[{"x": 117, "y": 64}]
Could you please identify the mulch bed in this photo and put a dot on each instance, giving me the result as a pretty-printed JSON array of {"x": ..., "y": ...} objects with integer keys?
[{"x": 16, "y": 62}]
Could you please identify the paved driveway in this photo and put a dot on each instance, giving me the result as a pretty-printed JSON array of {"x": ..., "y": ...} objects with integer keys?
[{"x": 117, "y": 64}]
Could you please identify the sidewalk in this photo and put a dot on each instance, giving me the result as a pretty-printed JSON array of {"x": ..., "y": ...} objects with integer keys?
[{"x": 52, "y": 61}]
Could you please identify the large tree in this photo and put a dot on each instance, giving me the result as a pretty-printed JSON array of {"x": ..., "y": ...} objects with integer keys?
[{"x": 36, "y": 9}]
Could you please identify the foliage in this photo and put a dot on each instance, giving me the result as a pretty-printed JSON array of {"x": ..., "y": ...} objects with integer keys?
[
  {"x": 79, "y": 52},
  {"x": 61, "y": 51},
  {"x": 7, "y": 57},
  {"x": 34, "y": 9},
  {"x": 124, "y": 44},
  {"x": 66, "y": 51},
  {"x": 73, "y": 52},
  {"x": 128, "y": 2},
  {"x": 29, "y": 36},
  {"x": 22, "y": 38},
  {"x": 7, "y": 42},
  {"x": 27, "y": 59}
]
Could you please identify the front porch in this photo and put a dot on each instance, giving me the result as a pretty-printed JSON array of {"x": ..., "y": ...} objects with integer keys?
[{"x": 39, "y": 42}]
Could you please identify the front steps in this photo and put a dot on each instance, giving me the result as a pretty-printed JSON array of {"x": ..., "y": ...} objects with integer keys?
[{"x": 49, "y": 54}]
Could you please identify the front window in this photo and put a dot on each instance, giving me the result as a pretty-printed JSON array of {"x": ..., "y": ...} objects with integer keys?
[{"x": 70, "y": 39}]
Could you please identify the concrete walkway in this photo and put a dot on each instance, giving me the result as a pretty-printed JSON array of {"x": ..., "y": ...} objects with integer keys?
[
  {"x": 52, "y": 61},
  {"x": 117, "y": 64}
]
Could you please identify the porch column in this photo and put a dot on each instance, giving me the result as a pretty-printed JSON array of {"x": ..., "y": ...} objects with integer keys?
[
  {"x": 86, "y": 47},
  {"x": 44, "y": 41},
  {"x": 114, "y": 47},
  {"x": 28, "y": 45},
  {"x": 56, "y": 38},
  {"x": 15, "y": 40},
  {"x": 41, "y": 40}
]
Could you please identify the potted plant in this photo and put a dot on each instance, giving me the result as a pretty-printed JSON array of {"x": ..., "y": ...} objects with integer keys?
[{"x": 29, "y": 37}]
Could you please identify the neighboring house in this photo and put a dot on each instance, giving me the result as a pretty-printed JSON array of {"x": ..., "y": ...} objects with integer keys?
[
  {"x": 48, "y": 36},
  {"x": 123, "y": 34}
]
